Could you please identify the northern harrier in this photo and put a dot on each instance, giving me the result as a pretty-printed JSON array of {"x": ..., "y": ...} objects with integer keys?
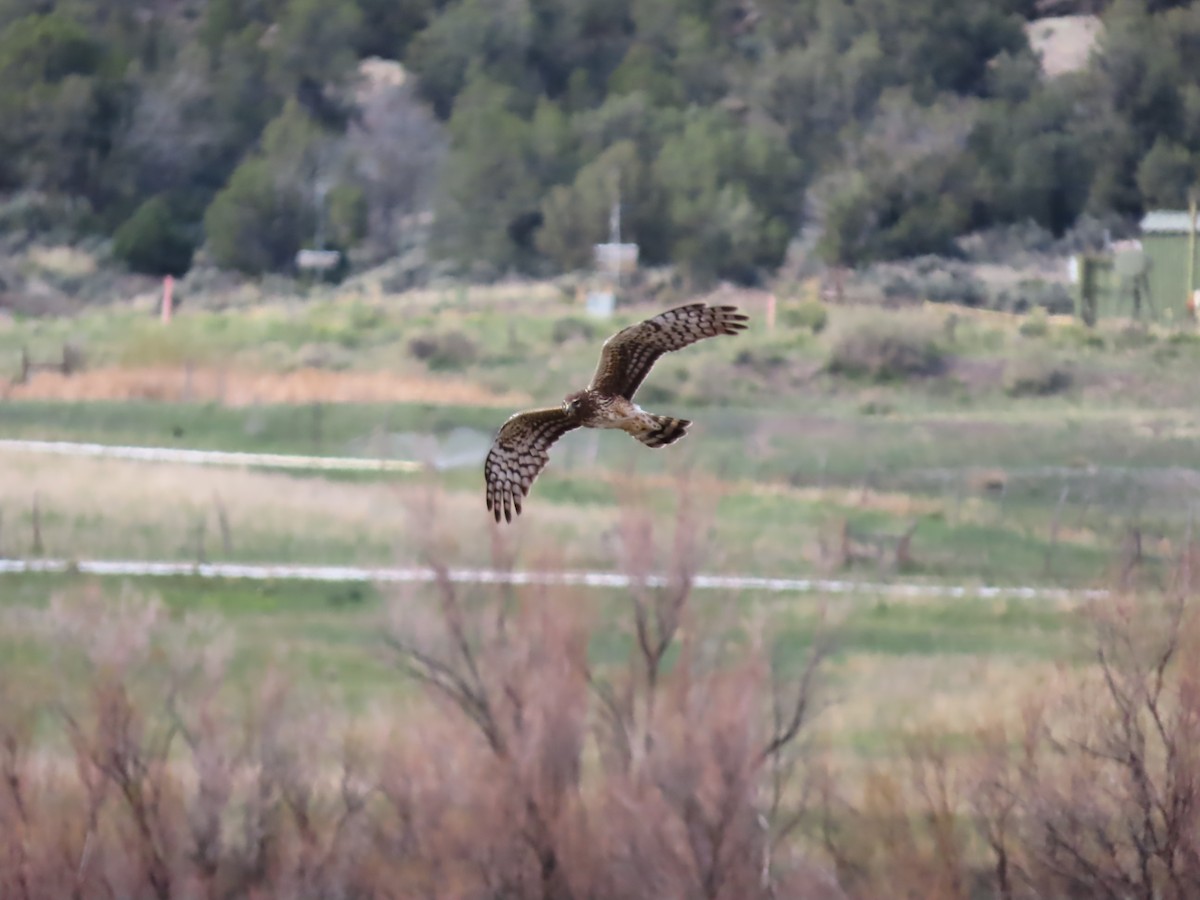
[{"x": 519, "y": 454}]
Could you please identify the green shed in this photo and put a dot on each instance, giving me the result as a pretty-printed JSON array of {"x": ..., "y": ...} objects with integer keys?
[{"x": 1167, "y": 238}]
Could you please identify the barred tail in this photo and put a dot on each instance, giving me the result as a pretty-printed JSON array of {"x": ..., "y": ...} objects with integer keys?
[{"x": 666, "y": 431}]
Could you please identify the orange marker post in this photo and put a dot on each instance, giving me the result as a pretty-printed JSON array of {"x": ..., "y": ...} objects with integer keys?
[{"x": 168, "y": 291}]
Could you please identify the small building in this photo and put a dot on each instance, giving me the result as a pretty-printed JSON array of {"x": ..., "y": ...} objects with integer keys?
[{"x": 1167, "y": 237}]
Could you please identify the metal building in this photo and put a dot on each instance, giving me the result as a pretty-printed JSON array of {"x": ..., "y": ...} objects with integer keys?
[{"x": 1172, "y": 276}]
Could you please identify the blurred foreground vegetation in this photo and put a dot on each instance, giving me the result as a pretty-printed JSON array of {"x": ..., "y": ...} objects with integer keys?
[{"x": 544, "y": 743}]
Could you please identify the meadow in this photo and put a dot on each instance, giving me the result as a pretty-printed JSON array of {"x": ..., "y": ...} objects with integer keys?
[
  {"x": 1067, "y": 483},
  {"x": 1024, "y": 449},
  {"x": 1017, "y": 450}
]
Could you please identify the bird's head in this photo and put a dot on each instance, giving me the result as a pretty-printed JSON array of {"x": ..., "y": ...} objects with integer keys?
[{"x": 573, "y": 403}]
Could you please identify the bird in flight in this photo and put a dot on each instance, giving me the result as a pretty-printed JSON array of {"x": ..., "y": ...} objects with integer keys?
[{"x": 519, "y": 452}]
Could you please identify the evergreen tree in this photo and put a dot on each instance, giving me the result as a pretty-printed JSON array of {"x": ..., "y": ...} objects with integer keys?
[{"x": 488, "y": 206}]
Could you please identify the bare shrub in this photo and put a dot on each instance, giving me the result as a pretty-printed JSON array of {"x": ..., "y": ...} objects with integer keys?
[
  {"x": 524, "y": 768},
  {"x": 686, "y": 746},
  {"x": 1006, "y": 243},
  {"x": 1109, "y": 806},
  {"x": 18, "y": 815},
  {"x": 932, "y": 278},
  {"x": 883, "y": 348},
  {"x": 1035, "y": 376},
  {"x": 1134, "y": 336},
  {"x": 167, "y": 788},
  {"x": 450, "y": 350},
  {"x": 1093, "y": 790},
  {"x": 572, "y": 328},
  {"x": 807, "y": 314},
  {"x": 671, "y": 762},
  {"x": 1036, "y": 323},
  {"x": 1034, "y": 294},
  {"x": 903, "y": 835}
]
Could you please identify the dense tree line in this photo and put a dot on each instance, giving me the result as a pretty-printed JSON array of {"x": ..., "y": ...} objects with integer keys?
[{"x": 888, "y": 127}]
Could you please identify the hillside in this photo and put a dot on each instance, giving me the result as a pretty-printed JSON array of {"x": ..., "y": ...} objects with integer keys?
[{"x": 476, "y": 139}]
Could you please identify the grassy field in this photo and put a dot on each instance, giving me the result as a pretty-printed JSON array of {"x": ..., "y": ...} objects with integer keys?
[
  {"x": 88, "y": 508},
  {"x": 531, "y": 340},
  {"x": 890, "y": 657},
  {"x": 1032, "y": 452}
]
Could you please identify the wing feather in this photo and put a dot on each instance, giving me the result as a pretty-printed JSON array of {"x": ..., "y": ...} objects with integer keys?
[
  {"x": 628, "y": 355},
  {"x": 518, "y": 455}
]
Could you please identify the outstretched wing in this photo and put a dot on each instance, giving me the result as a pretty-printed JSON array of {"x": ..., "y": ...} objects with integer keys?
[
  {"x": 629, "y": 354},
  {"x": 518, "y": 454}
]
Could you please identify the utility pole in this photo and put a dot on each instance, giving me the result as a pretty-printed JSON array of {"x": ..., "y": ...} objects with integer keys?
[
  {"x": 1191, "y": 260},
  {"x": 614, "y": 229},
  {"x": 610, "y": 258},
  {"x": 320, "y": 192}
]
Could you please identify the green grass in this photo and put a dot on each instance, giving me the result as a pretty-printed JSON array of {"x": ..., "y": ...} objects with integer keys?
[
  {"x": 320, "y": 429},
  {"x": 841, "y": 447},
  {"x": 107, "y": 509},
  {"x": 324, "y": 635},
  {"x": 328, "y": 639},
  {"x": 518, "y": 347},
  {"x": 1012, "y": 628},
  {"x": 786, "y": 480}
]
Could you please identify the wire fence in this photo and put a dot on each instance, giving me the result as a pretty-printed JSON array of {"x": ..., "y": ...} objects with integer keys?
[
  {"x": 417, "y": 574},
  {"x": 212, "y": 457}
]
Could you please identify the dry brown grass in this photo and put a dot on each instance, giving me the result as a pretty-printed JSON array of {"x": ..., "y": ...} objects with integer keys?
[
  {"x": 885, "y": 694},
  {"x": 247, "y": 388},
  {"x": 996, "y": 317},
  {"x": 508, "y": 296},
  {"x": 62, "y": 260},
  {"x": 110, "y": 508},
  {"x": 713, "y": 488},
  {"x": 120, "y": 508}
]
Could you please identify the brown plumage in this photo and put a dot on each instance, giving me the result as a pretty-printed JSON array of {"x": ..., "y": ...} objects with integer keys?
[{"x": 520, "y": 450}]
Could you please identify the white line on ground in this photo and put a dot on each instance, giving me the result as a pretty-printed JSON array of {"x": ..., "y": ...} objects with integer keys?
[
  {"x": 267, "y": 572},
  {"x": 212, "y": 457},
  {"x": 136, "y": 568}
]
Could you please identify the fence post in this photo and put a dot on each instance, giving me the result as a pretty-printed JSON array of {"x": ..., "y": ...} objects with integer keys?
[
  {"x": 1054, "y": 523},
  {"x": 37, "y": 547},
  {"x": 201, "y": 529},
  {"x": 223, "y": 524},
  {"x": 316, "y": 426},
  {"x": 1088, "y": 287},
  {"x": 1191, "y": 260}
]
